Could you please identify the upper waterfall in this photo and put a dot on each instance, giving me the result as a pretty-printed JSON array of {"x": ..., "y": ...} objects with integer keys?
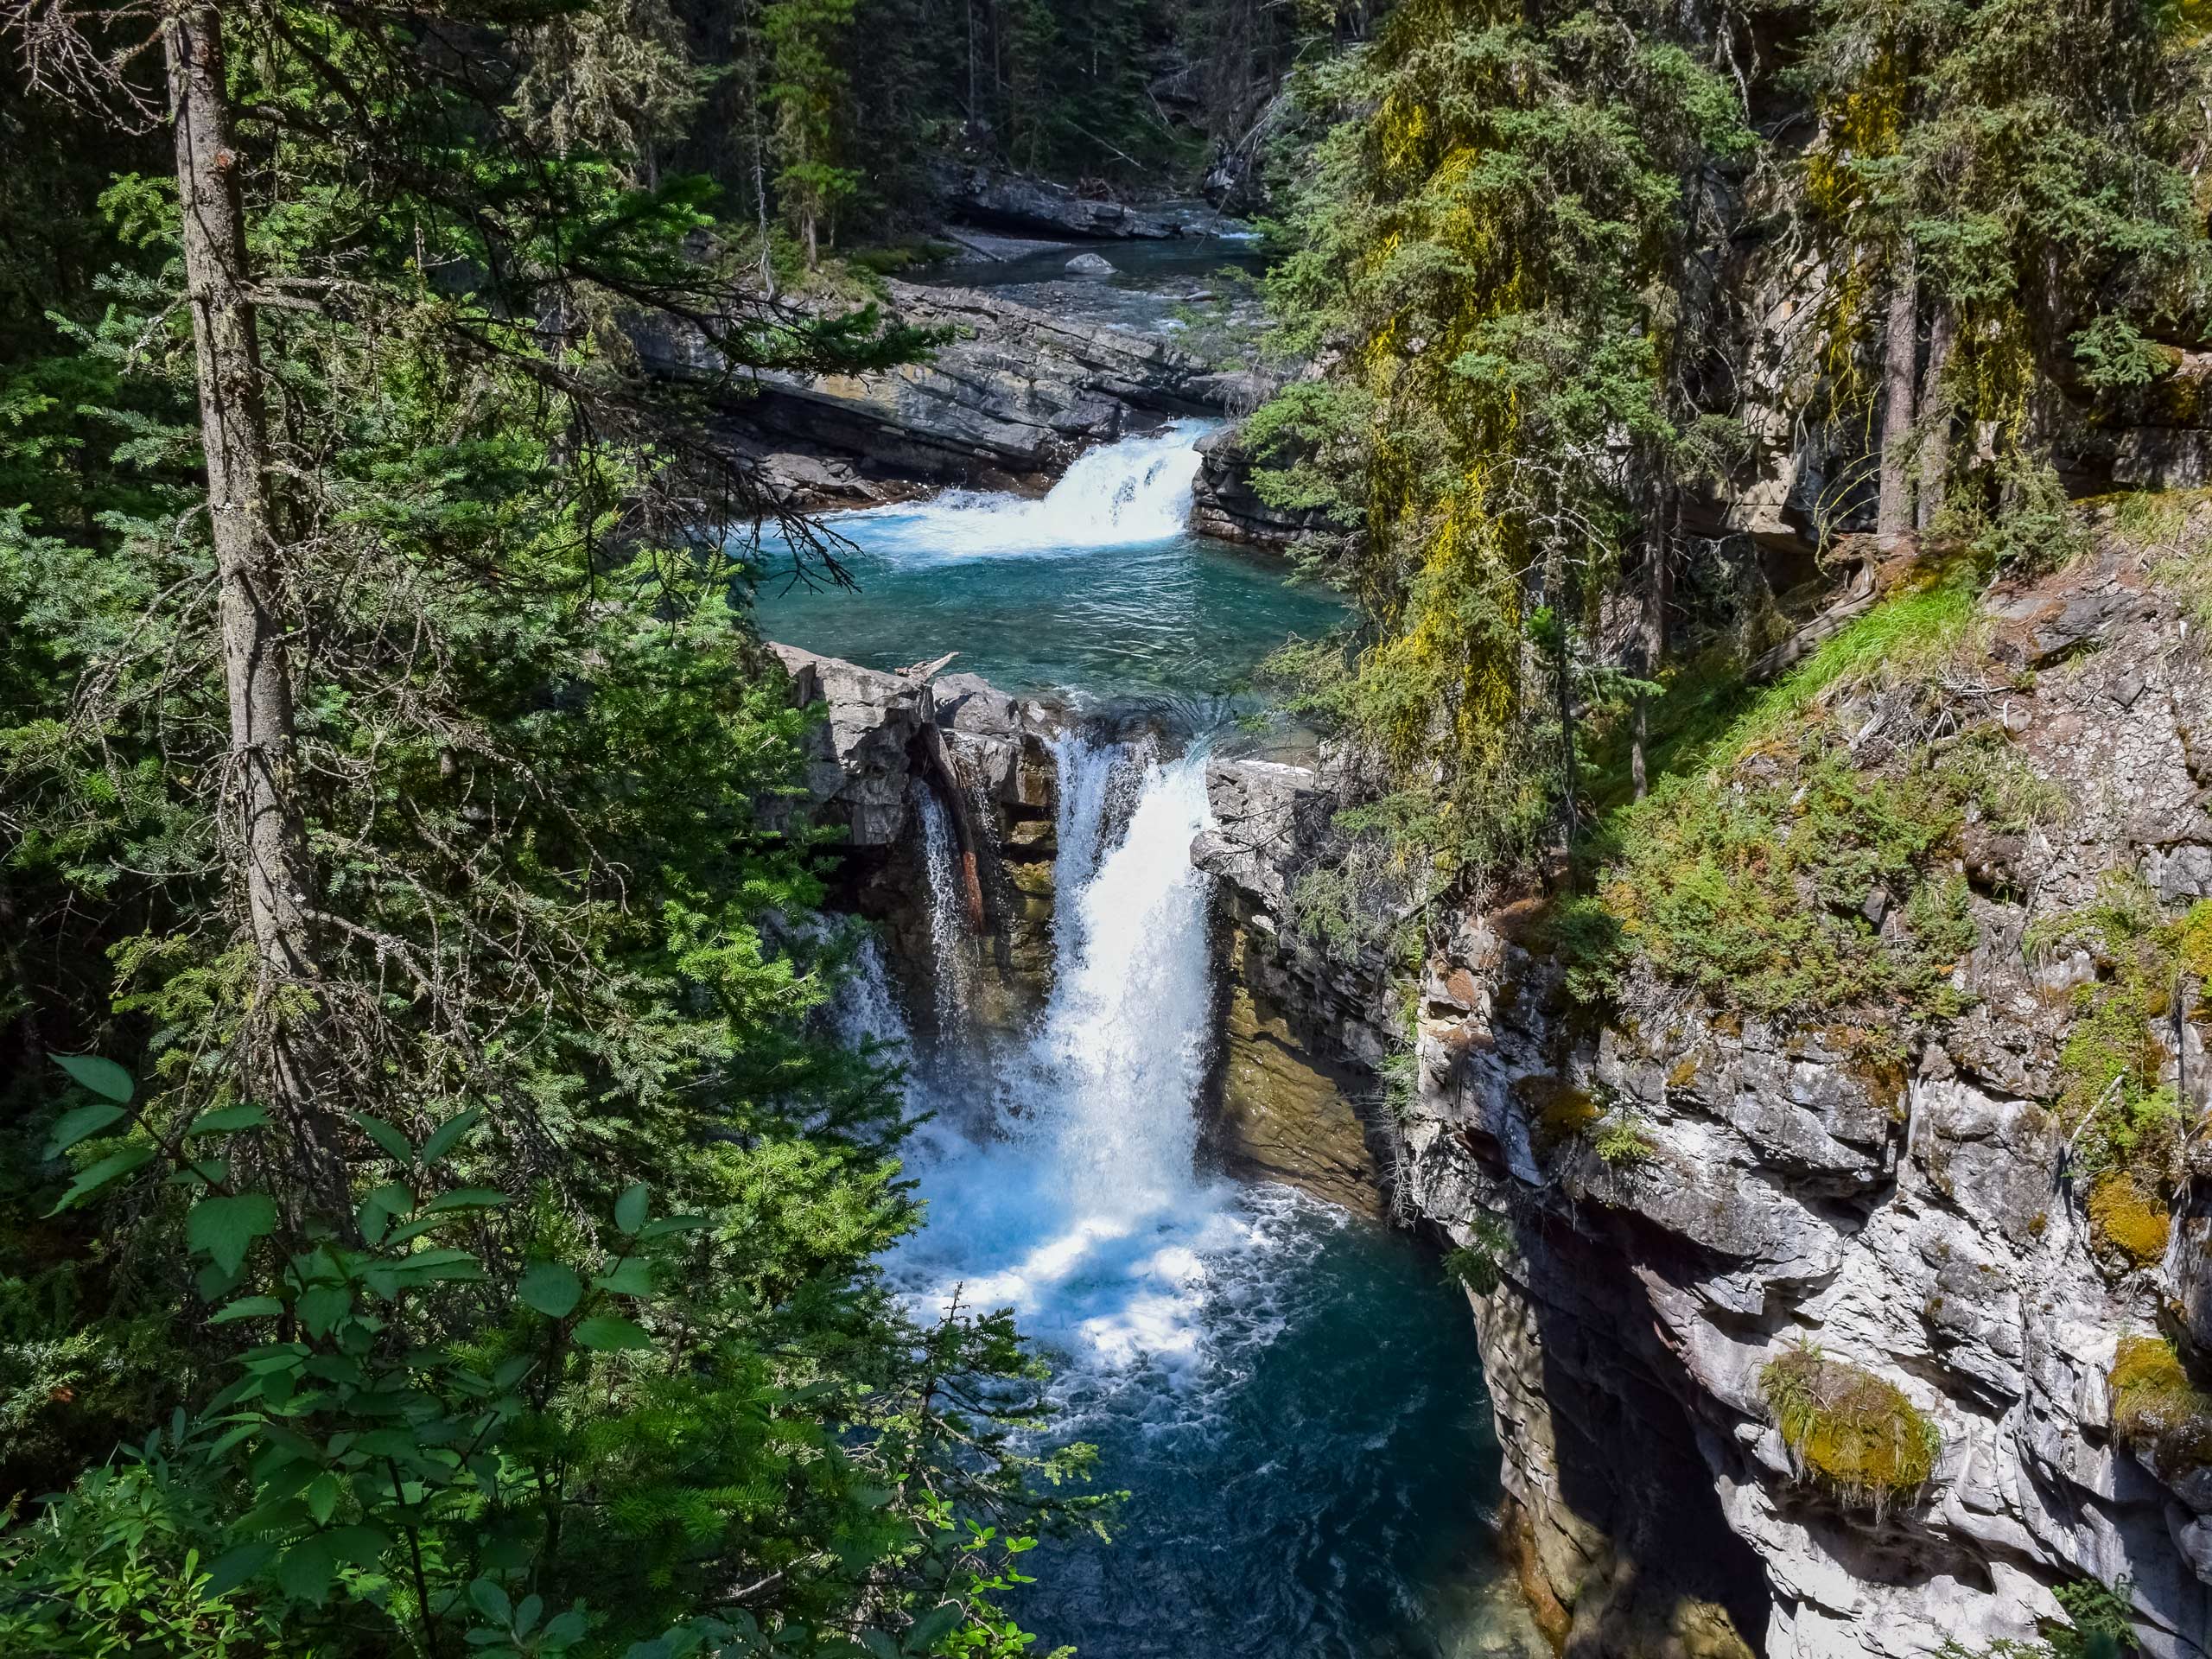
[{"x": 1119, "y": 494}]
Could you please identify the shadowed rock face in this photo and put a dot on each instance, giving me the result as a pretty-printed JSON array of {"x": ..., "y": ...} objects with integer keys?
[{"x": 1912, "y": 1220}]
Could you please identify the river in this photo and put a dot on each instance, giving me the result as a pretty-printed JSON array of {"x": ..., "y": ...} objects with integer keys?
[{"x": 1290, "y": 1396}]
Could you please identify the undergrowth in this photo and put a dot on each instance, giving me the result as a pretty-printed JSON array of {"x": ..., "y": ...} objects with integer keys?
[{"x": 2120, "y": 1112}]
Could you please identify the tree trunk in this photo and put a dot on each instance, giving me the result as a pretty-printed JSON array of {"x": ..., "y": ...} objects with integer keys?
[
  {"x": 1658, "y": 594},
  {"x": 1900, "y": 347},
  {"x": 263, "y": 834},
  {"x": 1936, "y": 412}
]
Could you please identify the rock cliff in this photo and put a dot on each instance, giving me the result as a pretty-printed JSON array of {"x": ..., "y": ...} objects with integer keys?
[
  {"x": 1663, "y": 1207},
  {"x": 1010, "y": 396}
]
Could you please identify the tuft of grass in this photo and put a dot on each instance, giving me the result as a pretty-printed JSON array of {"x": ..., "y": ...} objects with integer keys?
[
  {"x": 2157, "y": 1410},
  {"x": 1906, "y": 637},
  {"x": 1847, "y": 1430}
]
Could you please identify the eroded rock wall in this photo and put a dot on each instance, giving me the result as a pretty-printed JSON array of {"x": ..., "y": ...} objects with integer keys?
[{"x": 1912, "y": 1216}]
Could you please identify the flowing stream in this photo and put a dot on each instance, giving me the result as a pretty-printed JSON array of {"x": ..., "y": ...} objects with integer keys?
[
  {"x": 1290, "y": 1396},
  {"x": 1096, "y": 589}
]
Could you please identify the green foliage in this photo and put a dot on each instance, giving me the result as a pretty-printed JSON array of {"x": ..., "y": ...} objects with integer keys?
[
  {"x": 1479, "y": 1263},
  {"x": 1487, "y": 238},
  {"x": 2029, "y": 160},
  {"x": 1752, "y": 885},
  {"x": 439, "y": 1398},
  {"x": 562, "y": 966},
  {"x": 2112, "y": 1099},
  {"x": 1847, "y": 1430},
  {"x": 2102, "y": 1627}
]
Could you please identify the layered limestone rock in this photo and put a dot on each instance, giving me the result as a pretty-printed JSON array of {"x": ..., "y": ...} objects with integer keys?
[
  {"x": 1904, "y": 1205},
  {"x": 885, "y": 746},
  {"x": 985, "y": 196},
  {"x": 1013, "y": 394},
  {"x": 1225, "y": 505}
]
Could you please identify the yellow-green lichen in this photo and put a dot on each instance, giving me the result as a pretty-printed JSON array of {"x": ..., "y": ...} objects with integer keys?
[
  {"x": 2158, "y": 1412},
  {"x": 1847, "y": 1430}
]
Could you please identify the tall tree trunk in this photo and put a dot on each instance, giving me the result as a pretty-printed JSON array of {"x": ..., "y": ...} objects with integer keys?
[
  {"x": 1658, "y": 594},
  {"x": 265, "y": 834},
  {"x": 1935, "y": 413},
  {"x": 1900, "y": 350}
]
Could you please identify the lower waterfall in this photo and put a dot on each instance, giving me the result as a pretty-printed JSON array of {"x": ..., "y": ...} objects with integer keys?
[{"x": 1289, "y": 1394}]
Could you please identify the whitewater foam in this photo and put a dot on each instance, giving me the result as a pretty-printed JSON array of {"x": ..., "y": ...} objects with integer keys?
[{"x": 1121, "y": 494}]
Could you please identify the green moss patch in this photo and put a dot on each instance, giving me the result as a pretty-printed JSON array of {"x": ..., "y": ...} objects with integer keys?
[
  {"x": 2127, "y": 1221},
  {"x": 1847, "y": 1430},
  {"x": 2159, "y": 1411}
]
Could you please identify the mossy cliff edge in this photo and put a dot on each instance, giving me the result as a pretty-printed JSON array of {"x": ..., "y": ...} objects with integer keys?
[{"x": 1828, "y": 1168}]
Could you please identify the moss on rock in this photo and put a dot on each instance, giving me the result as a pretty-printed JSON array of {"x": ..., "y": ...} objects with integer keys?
[
  {"x": 1846, "y": 1429},
  {"x": 2127, "y": 1222},
  {"x": 2158, "y": 1409}
]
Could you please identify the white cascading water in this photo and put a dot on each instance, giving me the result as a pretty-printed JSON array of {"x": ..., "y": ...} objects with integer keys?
[
  {"x": 1077, "y": 1204},
  {"x": 948, "y": 962},
  {"x": 1117, "y": 495}
]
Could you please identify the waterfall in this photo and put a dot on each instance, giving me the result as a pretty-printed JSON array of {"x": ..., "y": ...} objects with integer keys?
[
  {"x": 1117, "y": 495},
  {"x": 1122, "y": 1050},
  {"x": 1079, "y": 1204},
  {"x": 951, "y": 968}
]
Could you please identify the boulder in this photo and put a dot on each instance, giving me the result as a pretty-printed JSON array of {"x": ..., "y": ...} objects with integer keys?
[{"x": 1092, "y": 264}]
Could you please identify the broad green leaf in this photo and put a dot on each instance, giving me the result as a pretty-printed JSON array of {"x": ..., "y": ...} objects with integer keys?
[
  {"x": 235, "y": 1567},
  {"x": 629, "y": 1208},
  {"x": 607, "y": 1331},
  {"x": 322, "y": 1496},
  {"x": 565, "y": 1630},
  {"x": 668, "y": 1225},
  {"x": 227, "y": 1227},
  {"x": 248, "y": 1307},
  {"x": 551, "y": 1288},
  {"x": 228, "y": 1121},
  {"x": 322, "y": 1306},
  {"x": 466, "y": 1197},
  {"x": 414, "y": 1229},
  {"x": 81, "y": 1124},
  {"x": 104, "y": 1077},
  {"x": 397, "y": 1145},
  {"x": 359, "y": 1545},
  {"x": 491, "y": 1601},
  {"x": 307, "y": 1569},
  {"x": 113, "y": 1167},
  {"x": 448, "y": 1134},
  {"x": 631, "y": 1278},
  {"x": 932, "y": 1627},
  {"x": 526, "y": 1612}
]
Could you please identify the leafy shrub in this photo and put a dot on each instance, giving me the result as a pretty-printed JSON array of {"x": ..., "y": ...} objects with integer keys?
[
  {"x": 2157, "y": 1410},
  {"x": 1846, "y": 1429},
  {"x": 1479, "y": 1263}
]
